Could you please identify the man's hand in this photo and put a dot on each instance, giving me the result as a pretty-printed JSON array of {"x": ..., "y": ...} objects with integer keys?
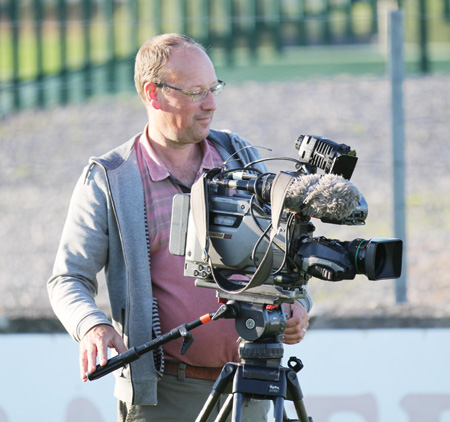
[
  {"x": 297, "y": 323},
  {"x": 96, "y": 342}
]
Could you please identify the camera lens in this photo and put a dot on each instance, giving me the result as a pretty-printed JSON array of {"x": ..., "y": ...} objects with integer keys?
[{"x": 377, "y": 258}]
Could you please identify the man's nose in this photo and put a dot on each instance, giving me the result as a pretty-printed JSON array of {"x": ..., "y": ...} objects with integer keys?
[{"x": 209, "y": 103}]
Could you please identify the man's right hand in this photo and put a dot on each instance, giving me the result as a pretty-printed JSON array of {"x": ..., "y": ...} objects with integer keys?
[{"x": 96, "y": 342}]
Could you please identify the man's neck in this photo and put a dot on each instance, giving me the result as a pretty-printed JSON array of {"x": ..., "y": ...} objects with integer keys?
[{"x": 182, "y": 161}]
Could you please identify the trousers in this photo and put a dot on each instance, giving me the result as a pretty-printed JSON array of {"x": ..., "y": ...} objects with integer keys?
[{"x": 182, "y": 400}]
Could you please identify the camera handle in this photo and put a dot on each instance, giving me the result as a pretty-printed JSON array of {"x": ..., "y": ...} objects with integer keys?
[
  {"x": 263, "y": 378},
  {"x": 135, "y": 353}
]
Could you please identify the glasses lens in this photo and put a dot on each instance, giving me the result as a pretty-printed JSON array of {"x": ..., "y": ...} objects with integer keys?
[
  {"x": 203, "y": 93},
  {"x": 216, "y": 90},
  {"x": 199, "y": 96}
]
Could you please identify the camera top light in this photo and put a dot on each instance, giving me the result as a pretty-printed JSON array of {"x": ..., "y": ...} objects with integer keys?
[{"x": 327, "y": 155}]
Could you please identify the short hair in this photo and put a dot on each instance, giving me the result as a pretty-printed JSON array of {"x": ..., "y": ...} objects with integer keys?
[{"x": 153, "y": 56}]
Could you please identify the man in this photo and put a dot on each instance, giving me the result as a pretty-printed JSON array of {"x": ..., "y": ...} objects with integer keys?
[{"x": 119, "y": 220}]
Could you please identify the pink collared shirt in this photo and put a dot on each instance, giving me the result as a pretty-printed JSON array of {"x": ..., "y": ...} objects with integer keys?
[{"x": 179, "y": 301}]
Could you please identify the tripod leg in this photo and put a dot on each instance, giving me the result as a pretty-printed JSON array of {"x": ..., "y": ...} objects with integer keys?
[
  {"x": 238, "y": 400},
  {"x": 295, "y": 394},
  {"x": 278, "y": 409},
  {"x": 208, "y": 407},
  {"x": 225, "y": 410},
  {"x": 301, "y": 411},
  {"x": 218, "y": 389}
]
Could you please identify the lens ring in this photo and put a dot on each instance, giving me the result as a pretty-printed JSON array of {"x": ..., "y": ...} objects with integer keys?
[{"x": 356, "y": 256}]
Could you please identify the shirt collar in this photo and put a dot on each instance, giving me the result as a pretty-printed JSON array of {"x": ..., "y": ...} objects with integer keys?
[{"x": 158, "y": 171}]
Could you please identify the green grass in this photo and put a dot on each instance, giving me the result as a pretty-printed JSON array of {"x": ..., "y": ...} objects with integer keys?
[
  {"x": 325, "y": 61},
  {"x": 321, "y": 60},
  {"x": 52, "y": 62},
  {"x": 104, "y": 75}
]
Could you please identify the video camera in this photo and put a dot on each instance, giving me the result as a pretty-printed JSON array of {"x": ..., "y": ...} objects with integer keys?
[{"x": 248, "y": 234}]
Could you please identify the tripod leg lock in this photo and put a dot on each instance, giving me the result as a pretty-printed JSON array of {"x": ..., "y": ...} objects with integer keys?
[
  {"x": 295, "y": 364},
  {"x": 188, "y": 339}
]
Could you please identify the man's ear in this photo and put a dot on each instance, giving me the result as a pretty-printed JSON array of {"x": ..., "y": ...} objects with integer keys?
[{"x": 152, "y": 95}]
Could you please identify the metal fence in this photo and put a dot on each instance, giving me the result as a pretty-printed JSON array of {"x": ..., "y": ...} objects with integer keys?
[
  {"x": 43, "y": 151},
  {"x": 57, "y": 51}
]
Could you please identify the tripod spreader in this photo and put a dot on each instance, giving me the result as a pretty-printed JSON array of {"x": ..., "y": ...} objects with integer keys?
[{"x": 135, "y": 353}]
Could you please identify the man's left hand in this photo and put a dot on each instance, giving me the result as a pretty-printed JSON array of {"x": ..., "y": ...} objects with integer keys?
[{"x": 297, "y": 323}]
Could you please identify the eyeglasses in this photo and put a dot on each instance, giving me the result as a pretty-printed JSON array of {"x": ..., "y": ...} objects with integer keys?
[{"x": 199, "y": 95}]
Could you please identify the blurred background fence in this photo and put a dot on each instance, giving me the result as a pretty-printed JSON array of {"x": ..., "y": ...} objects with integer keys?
[
  {"x": 60, "y": 51},
  {"x": 292, "y": 67}
]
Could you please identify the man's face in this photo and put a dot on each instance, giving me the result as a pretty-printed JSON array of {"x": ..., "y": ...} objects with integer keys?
[{"x": 180, "y": 119}]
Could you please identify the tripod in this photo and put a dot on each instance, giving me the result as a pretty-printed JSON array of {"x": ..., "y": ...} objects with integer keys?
[
  {"x": 258, "y": 382},
  {"x": 259, "y": 375}
]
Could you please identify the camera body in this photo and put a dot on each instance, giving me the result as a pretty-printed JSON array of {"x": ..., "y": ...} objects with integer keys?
[
  {"x": 239, "y": 237},
  {"x": 233, "y": 232},
  {"x": 237, "y": 247}
]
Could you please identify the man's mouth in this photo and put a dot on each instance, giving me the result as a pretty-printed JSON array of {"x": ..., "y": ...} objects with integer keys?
[{"x": 205, "y": 119}]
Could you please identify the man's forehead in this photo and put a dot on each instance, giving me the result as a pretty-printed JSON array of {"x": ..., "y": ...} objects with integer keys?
[{"x": 192, "y": 65}]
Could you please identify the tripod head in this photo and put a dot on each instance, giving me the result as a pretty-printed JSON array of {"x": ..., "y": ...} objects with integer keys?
[
  {"x": 254, "y": 321},
  {"x": 261, "y": 328}
]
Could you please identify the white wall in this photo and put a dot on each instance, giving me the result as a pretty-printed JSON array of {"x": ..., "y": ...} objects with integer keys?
[
  {"x": 398, "y": 375},
  {"x": 349, "y": 376}
]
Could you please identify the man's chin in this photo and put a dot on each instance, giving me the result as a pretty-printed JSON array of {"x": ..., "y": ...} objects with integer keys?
[{"x": 202, "y": 134}]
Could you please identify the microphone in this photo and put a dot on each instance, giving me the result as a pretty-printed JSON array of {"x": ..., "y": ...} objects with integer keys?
[{"x": 329, "y": 197}]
